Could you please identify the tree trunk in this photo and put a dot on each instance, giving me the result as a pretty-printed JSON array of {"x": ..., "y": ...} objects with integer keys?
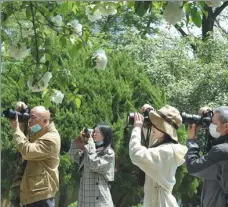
[{"x": 207, "y": 23}]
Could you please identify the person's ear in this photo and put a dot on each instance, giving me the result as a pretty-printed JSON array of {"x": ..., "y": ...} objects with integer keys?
[{"x": 45, "y": 120}]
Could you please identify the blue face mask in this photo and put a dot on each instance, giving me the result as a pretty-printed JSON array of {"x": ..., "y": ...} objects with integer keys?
[
  {"x": 99, "y": 143},
  {"x": 35, "y": 128}
]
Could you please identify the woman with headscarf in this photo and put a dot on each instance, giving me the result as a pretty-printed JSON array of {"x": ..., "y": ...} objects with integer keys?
[
  {"x": 159, "y": 162},
  {"x": 96, "y": 161}
]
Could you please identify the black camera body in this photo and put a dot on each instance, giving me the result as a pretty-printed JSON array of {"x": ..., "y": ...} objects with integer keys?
[
  {"x": 23, "y": 116},
  {"x": 203, "y": 120},
  {"x": 130, "y": 118}
]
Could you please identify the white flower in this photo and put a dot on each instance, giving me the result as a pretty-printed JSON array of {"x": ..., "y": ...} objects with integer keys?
[
  {"x": 72, "y": 39},
  {"x": 107, "y": 10},
  {"x": 93, "y": 16},
  {"x": 18, "y": 51},
  {"x": 57, "y": 97},
  {"x": 76, "y": 26},
  {"x": 41, "y": 84},
  {"x": 173, "y": 12},
  {"x": 27, "y": 29},
  {"x": 57, "y": 20},
  {"x": 43, "y": 59},
  {"x": 214, "y": 3},
  {"x": 100, "y": 59}
]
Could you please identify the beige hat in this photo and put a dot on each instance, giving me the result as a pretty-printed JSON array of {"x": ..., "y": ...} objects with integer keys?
[{"x": 167, "y": 119}]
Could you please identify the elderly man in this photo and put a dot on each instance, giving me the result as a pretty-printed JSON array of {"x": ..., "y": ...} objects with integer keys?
[
  {"x": 40, "y": 180},
  {"x": 213, "y": 166}
]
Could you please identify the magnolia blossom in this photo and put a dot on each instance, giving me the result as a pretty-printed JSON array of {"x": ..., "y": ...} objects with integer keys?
[
  {"x": 76, "y": 26},
  {"x": 107, "y": 10},
  {"x": 57, "y": 97},
  {"x": 43, "y": 59},
  {"x": 18, "y": 51},
  {"x": 27, "y": 29},
  {"x": 100, "y": 59},
  {"x": 93, "y": 16},
  {"x": 57, "y": 20},
  {"x": 42, "y": 84},
  {"x": 214, "y": 3},
  {"x": 173, "y": 12}
]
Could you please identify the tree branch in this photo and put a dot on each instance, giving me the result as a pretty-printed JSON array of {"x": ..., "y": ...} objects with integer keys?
[
  {"x": 184, "y": 34},
  {"x": 220, "y": 27},
  {"x": 19, "y": 24},
  {"x": 51, "y": 26},
  {"x": 34, "y": 28},
  {"x": 179, "y": 29},
  {"x": 220, "y": 9}
]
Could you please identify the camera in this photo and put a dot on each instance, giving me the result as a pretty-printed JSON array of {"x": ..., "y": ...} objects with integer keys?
[
  {"x": 203, "y": 120},
  {"x": 130, "y": 118},
  {"x": 23, "y": 116}
]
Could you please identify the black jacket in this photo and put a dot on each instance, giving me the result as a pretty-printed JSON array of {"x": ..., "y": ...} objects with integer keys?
[{"x": 213, "y": 168}]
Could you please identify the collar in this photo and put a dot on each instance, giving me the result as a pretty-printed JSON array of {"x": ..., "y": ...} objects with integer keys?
[
  {"x": 221, "y": 140},
  {"x": 42, "y": 132}
]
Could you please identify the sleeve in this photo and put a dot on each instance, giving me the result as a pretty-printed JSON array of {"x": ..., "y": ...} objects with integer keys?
[
  {"x": 39, "y": 150},
  {"x": 150, "y": 160},
  {"x": 75, "y": 153},
  {"x": 99, "y": 163},
  {"x": 205, "y": 166}
]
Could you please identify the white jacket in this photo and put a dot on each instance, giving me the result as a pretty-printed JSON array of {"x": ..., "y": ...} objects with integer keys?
[{"x": 159, "y": 164}]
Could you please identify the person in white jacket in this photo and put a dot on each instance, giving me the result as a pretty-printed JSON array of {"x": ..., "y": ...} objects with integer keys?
[{"x": 161, "y": 159}]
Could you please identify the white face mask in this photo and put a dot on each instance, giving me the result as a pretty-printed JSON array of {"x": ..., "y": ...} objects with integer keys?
[{"x": 213, "y": 132}]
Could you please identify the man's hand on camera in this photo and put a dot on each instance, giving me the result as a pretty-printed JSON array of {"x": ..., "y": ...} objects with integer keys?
[
  {"x": 79, "y": 143},
  {"x": 192, "y": 131},
  {"x": 145, "y": 107},
  {"x": 204, "y": 110},
  {"x": 138, "y": 120},
  {"x": 20, "y": 106},
  {"x": 15, "y": 123}
]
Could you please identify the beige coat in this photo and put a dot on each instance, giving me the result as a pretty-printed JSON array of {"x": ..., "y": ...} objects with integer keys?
[
  {"x": 159, "y": 164},
  {"x": 41, "y": 176}
]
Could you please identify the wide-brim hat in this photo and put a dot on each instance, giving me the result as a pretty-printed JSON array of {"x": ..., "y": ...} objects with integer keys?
[{"x": 167, "y": 119}]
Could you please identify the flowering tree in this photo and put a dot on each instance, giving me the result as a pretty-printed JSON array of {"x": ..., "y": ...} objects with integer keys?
[{"x": 64, "y": 55}]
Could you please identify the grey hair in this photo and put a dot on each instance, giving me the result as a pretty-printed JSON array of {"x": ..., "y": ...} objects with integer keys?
[{"x": 223, "y": 113}]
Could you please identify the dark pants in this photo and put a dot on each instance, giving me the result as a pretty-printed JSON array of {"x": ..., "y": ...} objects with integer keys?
[{"x": 50, "y": 202}]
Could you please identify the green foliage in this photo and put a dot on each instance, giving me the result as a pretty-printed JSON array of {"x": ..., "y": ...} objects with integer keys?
[
  {"x": 73, "y": 204},
  {"x": 106, "y": 96},
  {"x": 156, "y": 71}
]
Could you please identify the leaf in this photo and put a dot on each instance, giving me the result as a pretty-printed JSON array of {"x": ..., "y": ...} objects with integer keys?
[
  {"x": 187, "y": 9},
  {"x": 4, "y": 36},
  {"x": 63, "y": 41},
  {"x": 21, "y": 82},
  {"x": 74, "y": 9},
  {"x": 73, "y": 51},
  {"x": 141, "y": 7},
  {"x": 157, "y": 5},
  {"x": 45, "y": 91},
  {"x": 77, "y": 102},
  {"x": 130, "y": 4},
  {"x": 70, "y": 97},
  {"x": 47, "y": 101},
  {"x": 205, "y": 13},
  {"x": 196, "y": 17},
  {"x": 28, "y": 13}
]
